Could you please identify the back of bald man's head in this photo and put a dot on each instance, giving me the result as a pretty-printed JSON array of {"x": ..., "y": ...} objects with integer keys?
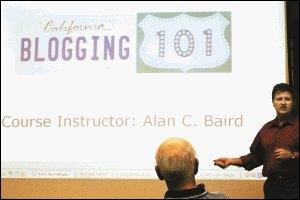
[{"x": 175, "y": 159}]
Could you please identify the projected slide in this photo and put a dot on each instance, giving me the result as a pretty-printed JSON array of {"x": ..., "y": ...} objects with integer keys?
[{"x": 90, "y": 90}]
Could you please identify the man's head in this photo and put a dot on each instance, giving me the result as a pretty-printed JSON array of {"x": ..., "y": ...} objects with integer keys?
[
  {"x": 283, "y": 99},
  {"x": 176, "y": 163}
]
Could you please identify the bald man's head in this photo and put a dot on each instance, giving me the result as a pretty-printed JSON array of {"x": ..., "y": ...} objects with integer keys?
[{"x": 176, "y": 161}]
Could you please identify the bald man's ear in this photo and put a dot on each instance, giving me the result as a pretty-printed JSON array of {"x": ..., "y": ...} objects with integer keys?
[
  {"x": 196, "y": 166},
  {"x": 158, "y": 173}
]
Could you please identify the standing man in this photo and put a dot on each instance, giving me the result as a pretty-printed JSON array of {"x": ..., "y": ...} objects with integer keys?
[{"x": 276, "y": 147}]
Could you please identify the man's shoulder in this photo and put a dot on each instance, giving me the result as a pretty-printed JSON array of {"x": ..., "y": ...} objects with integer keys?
[
  {"x": 267, "y": 125},
  {"x": 198, "y": 192}
]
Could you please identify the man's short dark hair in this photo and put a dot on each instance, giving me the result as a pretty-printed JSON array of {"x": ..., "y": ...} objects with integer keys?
[{"x": 283, "y": 87}]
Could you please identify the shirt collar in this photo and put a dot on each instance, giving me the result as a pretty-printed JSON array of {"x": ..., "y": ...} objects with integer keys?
[
  {"x": 188, "y": 193},
  {"x": 290, "y": 121}
]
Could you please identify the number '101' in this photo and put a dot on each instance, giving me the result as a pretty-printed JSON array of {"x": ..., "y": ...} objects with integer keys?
[{"x": 190, "y": 37}]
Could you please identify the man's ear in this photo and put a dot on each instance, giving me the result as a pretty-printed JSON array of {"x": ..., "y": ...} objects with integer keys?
[
  {"x": 196, "y": 166},
  {"x": 158, "y": 173}
]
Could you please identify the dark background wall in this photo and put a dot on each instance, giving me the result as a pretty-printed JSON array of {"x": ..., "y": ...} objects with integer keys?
[{"x": 292, "y": 8}]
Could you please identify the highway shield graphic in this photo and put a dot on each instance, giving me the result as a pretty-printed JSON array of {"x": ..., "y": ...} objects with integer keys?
[{"x": 184, "y": 42}]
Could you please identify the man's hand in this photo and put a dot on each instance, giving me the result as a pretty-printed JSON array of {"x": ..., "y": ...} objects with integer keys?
[
  {"x": 222, "y": 162},
  {"x": 283, "y": 154}
]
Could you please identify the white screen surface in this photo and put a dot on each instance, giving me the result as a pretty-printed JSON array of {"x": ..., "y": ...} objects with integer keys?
[{"x": 138, "y": 104}]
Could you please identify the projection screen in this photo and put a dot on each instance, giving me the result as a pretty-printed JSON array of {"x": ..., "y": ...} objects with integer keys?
[{"x": 90, "y": 89}]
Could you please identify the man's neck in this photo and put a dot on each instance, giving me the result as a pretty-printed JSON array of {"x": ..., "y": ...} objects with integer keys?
[
  {"x": 184, "y": 186},
  {"x": 283, "y": 118}
]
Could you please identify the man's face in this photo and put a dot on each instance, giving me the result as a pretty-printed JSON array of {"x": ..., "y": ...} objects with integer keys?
[{"x": 283, "y": 103}]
